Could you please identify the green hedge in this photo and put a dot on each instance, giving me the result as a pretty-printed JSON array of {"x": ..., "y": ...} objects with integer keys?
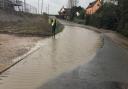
[
  {"x": 106, "y": 17},
  {"x": 111, "y": 16}
]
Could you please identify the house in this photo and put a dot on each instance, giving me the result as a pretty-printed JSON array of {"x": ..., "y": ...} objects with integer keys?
[
  {"x": 65, "y": 13},
  {"x": 93, "y": 7}
]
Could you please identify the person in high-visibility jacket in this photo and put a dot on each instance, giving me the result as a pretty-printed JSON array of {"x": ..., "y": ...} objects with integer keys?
[
  {"x": 54, "y": 23},
  {"x": 50, "y": 21}
]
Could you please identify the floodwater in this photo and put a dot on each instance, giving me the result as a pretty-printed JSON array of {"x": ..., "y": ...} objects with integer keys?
[{"x": 71, "y": 48}]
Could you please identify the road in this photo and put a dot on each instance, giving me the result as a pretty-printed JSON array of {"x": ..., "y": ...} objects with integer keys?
[{"x": 77, "y": 58}]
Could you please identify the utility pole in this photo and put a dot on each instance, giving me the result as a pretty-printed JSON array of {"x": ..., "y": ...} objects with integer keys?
[
  {"x": 38, "y": 6},
  {"x": 48, "y": 9},
  {"x": 24, "y": 5},
  {"x": 3, "y": 3},
  {"x": 42, "y": 7}
]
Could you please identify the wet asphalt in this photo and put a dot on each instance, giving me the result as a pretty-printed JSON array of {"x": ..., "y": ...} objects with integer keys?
[
  {"x": 107, "y": 70},
  {"x": 71, "y": 48},
  {"x": 76, "y": 59}
]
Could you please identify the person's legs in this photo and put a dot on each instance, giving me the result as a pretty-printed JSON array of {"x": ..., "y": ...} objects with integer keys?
[{"x": 54, "y": 32}]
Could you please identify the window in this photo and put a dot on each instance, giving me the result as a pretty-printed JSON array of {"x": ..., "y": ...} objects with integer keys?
[{"x": 98, "y": 4}]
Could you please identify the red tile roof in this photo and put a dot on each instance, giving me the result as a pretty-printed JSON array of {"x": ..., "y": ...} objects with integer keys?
[{"x": 91, "y": 4}]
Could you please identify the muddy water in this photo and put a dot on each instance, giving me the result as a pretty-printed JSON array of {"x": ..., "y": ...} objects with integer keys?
[{"x": 71, "y": 48}]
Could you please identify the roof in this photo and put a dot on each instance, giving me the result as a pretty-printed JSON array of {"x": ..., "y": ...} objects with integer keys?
[
  {"x": 92, "y": 4},
  {"x": 65, "y": 10}
]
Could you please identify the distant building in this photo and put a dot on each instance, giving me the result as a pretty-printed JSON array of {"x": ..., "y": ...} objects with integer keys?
[
  {"x": 93, "y": 7},
  {"x": 10, "y": 4},
  {"x": 65, "y": 13}
]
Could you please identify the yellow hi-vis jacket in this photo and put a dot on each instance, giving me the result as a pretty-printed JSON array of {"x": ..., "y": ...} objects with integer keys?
[
  {"x": 50, "y": 21},
  {"x": 53, "y": 23}
]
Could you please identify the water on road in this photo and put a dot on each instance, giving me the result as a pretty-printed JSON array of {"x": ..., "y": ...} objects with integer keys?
[{"x": 71, "y": 48}]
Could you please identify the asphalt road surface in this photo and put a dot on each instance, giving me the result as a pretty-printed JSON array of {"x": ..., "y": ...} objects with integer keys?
[{"x": 77, "y": 58}]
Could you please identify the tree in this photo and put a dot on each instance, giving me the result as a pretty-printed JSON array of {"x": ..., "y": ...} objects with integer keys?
[
  {"x": 76, "y": 9},
  {"x": 113, "y": 15},
  {"x": 72, "y": 3},
  {"x": 105, "y": 17},
  {"x": 123, "y": 24}
]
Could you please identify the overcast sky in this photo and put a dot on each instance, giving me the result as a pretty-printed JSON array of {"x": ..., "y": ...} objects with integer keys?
[{"x": 55, "y": 5}]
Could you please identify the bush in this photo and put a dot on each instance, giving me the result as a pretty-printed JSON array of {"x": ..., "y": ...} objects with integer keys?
[
  {"x": 111, "y": 16},
  {"x": 76, "y": 9},
  {"x": 123, "y": 23}
]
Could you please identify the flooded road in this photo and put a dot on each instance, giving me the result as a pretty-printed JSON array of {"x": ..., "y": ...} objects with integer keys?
[
  {"x": 107, "y": 70},
  {"x": 73, "y": 47}
]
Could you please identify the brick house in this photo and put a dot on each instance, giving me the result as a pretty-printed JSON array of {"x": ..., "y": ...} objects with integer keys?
[{"x": 93, "y": 7}]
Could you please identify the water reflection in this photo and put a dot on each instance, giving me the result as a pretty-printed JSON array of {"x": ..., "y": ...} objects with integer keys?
[
  {"x": 68, "y": 50},
  {"x": 54, "y": 53}
]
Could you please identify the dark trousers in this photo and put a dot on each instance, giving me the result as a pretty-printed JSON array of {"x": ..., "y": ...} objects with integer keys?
[{"x": 54, "y": 31}]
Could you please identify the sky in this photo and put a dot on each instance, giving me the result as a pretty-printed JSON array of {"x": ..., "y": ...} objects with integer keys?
[{"x": 55, "y": 5}]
